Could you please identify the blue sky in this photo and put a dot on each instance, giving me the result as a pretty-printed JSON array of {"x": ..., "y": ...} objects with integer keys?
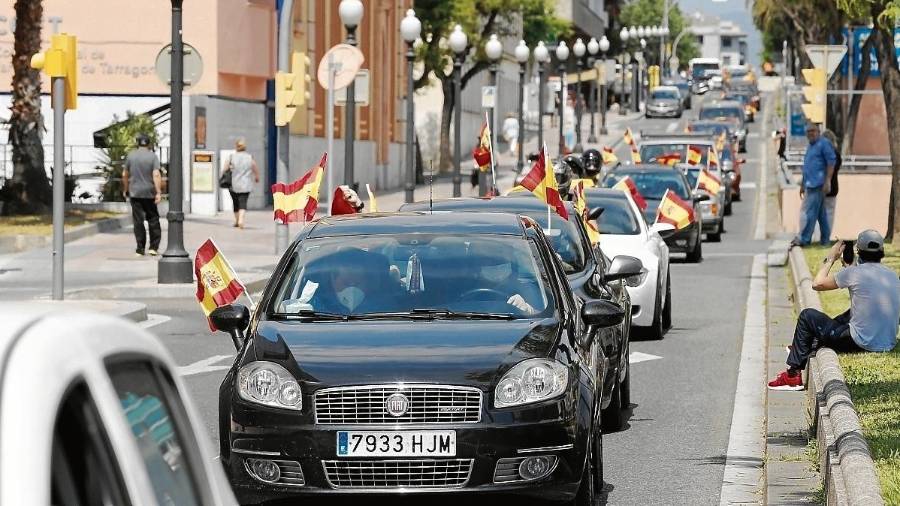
[{"x": 737, "y": 11}]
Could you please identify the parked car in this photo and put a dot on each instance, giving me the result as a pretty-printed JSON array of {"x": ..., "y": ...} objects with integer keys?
[
  {"x": 93, "y": 411},
  {"x": 730, "y": 111},
  {"x": 416, "y": 352},
  {"x": 625, "y": 231},
  {"x": 652, "y": 181},
  {"x": 585, "y": 267},
  {"x": 664, "y": 101}
]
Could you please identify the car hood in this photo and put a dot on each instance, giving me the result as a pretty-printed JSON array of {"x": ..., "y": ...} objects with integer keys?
[
  {"x": 459, "y": 352},
  {"x": 664, "y": 102}
]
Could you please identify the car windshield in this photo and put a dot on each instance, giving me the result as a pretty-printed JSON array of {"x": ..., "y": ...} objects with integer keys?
[
  {"x": 617, "y": 218},
  {"x": 665, "y": 95},
  {"x": 400, "y": 275},
  {"x": 565, "y": 238},
  {"x": 709, "y": 128},
  {"x": 652, "y": 184},
  {"x": 720, "y": 112},
  {"x": 737, "y": 97},
  {"x": 698, "y": 70},
  {"x": 658, "y": 153}
]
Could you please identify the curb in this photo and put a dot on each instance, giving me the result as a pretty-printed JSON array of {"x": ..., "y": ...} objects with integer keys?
[
  {"x": 844, "y": 456},
  {"x": 135, "y": 312},
  {"x": 22, "y": 242},
  {"x": 254, "y": 282}
]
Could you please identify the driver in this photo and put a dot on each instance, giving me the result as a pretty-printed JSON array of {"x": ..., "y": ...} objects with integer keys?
[
  {"x": 357, "y": 282},
  {"x": 496, "y": 271}
]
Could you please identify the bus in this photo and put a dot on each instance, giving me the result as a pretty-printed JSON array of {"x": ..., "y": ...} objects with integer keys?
[{"x": 703, "y": 68}]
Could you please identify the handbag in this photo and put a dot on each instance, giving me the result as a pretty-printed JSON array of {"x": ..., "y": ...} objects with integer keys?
[{"x": 225, "y": 178}]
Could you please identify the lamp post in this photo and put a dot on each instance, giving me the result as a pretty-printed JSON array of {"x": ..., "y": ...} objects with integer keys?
[
  {"x": 639, "y": 84},
  {"x": 521, "y": 53},
  {"x": 579, "y": 48},
  {"x": 541, "y": 56},
  {"x": 410, "y": 29},
  {"x": 593, "y": 47},
  {"x": 624, "y": 35},
  {"x": 493, "y": 49},
  {"x": 458, "y": 44},
  {"x": 604, "y": 47},
  {"x": 562, "y": 54},
  {"x": 175, "y": 265},
  {"x": 351, "y": 13}
]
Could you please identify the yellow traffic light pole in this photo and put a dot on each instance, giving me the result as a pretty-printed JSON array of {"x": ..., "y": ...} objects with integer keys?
[
  {"x": 815, "y": 93},
  {"x": 59, "y": 62}
]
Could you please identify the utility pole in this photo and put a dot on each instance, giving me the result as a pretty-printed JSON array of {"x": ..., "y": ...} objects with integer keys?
[{"x": 285, "y": 31}]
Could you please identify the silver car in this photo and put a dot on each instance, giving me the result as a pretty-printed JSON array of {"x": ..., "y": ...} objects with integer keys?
[{"x": 665, "y": 101}]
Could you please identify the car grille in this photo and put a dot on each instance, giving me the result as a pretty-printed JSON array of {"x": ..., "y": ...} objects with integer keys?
[
  {"x": 427, "y": 404},
  {"x": 432, "y": 473}
]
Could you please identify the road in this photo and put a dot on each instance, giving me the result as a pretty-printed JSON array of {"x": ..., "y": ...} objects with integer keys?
[{"x": 672, "y": 451}]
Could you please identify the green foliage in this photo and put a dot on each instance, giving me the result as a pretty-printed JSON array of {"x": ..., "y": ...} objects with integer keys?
[
  {"x": 650, "y": 13},
  {"x": 121, "y": 139}
]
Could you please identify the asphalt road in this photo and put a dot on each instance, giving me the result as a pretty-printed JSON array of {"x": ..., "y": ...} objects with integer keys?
[{"x": 672, "y": 451}]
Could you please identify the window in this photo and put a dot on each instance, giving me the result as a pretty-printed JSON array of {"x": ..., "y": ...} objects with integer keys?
[
  {"x": 157, "y": 421},
  {"x": 617, "y": 218},
  {"x": 84, "y": 469}
]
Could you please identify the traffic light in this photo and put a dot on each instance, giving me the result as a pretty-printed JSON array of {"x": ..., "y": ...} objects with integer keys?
[
  {"x": 815, "y": 93},
  {"x": 291, "y": 89},
  {"x": 61, "y": 61}
]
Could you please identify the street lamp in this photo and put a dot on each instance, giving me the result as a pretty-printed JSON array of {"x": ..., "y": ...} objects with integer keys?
[
  {"x": 493, "y": 49},
  {"x": 458, "y": 43},
  {"x": 410, "y": 29},
  {"x": 632, "y": 32},
  {"x": 624, "y": 35},
  {"x": 351, "y": 13},
  {"x": 579, "y": 49},
  {"x": 521, "y": 53},
  {"x": 642, "y": 31},
  {"x": 541, "y": 56},
  {"x": 562, "y": 54},
  {"x": 175, "y": 265},
  {"x": 593, "y": 47},
  {"x": 604, "y": 47}
]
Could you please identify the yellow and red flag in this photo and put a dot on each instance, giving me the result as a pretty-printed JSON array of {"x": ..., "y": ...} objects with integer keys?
[
  {"x": 720, "y": 142},
  {"x": 668, "y": 158},
  {"x": 298, "y": 201},
  {"x": 674, "y": 210},
  {"x": 609, "y": 157},
  {"x": 541, "y": 181},
  {"x": 709, "y": 182},
  {"x": 694, "y": 155},
  {"x": 629, "y": 139},
  {"x": 627, "y": 185},
  {"x": 635, "y": 155},
  {"x": 712, "y": 158},
  {"x": 482, "y": 152},
  {"x": 217, "y": 283},
  {"x": 580, "y": 204}
]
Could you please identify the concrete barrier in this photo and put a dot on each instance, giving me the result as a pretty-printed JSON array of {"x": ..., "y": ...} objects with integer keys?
[{"x": 845, "y": 460}]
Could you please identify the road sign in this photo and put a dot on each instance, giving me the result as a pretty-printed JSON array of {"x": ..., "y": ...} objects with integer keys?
[
  {"x": 488, "y": 97},
  {"x": 360, "y": 92},
  {"x": 347, "y": 62},
  {"x": 193, "y": 65},
  {"x": 826, "y": 57}
]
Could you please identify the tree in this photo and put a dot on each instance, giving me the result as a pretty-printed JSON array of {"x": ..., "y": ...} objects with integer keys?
[
  {"x": 479, "y": 19},
  {"x": 121, "y": 138},
  {"x": 28, "y": 192},
  {"x": 650, "y": 13}
]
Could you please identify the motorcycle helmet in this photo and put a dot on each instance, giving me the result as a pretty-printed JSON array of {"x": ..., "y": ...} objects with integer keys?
[
  {"x": 564, "y": 175},
  {"x": 574, "y": 163},
  {"x": 592, "y": 163}
]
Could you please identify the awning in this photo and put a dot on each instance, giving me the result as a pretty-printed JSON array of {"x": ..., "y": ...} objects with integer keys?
[{"x": 159, "y": 115}]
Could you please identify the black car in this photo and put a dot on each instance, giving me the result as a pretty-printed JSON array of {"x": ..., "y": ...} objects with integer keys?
[
  {"x": 652, "y": 181},
  {"x": 585, "y": 267},
  {"x": 416, "y": 352}
]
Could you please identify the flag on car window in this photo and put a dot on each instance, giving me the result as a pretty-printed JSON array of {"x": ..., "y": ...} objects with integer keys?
[
  {"x": 709, "y": 182},
  {"x": 720, "y": 142},
  {"x": 627, "y": 185},
  {"x": 629, "y": 139},
  {"x": 694, "y": 155},
  {"x": 675, "y": 211},
  {"x": 482, "y": 152},
  {"x": 668, "y": 158},
  {"x": 580, "y": 204},
  {"x": 298, "y": 201},
  {"x": 609, "y": 157},
  {"x": 217, "y": 283},
  {"x": 712, "y": 158},
  {"x": 542, "y": 183}
]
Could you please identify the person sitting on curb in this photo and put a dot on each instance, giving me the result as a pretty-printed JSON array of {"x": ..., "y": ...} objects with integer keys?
[{"x": 870, "y": 324}]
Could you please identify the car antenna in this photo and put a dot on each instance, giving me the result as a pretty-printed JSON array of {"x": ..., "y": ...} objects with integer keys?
[{"x": 431, "y": 186}]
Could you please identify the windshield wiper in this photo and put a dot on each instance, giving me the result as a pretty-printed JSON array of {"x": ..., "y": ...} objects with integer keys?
[
  {"x": 435, "y": 313},
  {"x": 309, "y": 314}
]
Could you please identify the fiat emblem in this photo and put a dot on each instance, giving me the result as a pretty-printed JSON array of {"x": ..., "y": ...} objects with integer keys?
[{"x": 396, "y": 405}]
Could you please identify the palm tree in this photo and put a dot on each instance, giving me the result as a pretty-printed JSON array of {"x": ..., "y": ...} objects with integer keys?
[{"x": 29, "y": 190}]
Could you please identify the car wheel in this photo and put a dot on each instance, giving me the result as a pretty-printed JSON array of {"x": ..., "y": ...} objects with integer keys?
[
  {"x": 736, "y": 197},
  {"x": 611, "y": 417},
  {"x": 625, "y": 387},
  {"x": 728, "y": 206},
  {"x": 587, "y": 489},
  {"x": 656, "y": 328},
  {"x": 696, "y": 255},
  {"x": 742, "y": 148},
  {"x": 714, "y": 237},
  {"x": 667, "y": 307}
]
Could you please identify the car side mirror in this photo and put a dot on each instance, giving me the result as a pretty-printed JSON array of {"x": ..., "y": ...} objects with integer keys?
[
  {"x": 595, "y": 213},
  {"x": 665, "y": 230},
  {"x": 602, "y": 313},
  {"x": 234, "y": 319},
  {"x": 700, "y": 196},
  {"x": 623, "y": 266}
]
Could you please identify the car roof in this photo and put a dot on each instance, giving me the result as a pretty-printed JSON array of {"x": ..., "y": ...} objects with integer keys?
[
  {"x": 605, "y": 193},
  {"x": 644, "y": 167},
  {"x": 687, "y": 138},
  {"x": 722, "y": 103},
  {"x": 417, "y": 222},
  {"x": 511, "y": 203}
]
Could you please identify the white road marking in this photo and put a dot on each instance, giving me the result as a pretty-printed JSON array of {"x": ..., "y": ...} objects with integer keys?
[
  {"x": 204, "y": 366},
  {"x": 636, "y": 357},
  {"x": 748, "y": 186},
  {"x": 744, "y": 461},
  {"x": 153, "y": 320}
]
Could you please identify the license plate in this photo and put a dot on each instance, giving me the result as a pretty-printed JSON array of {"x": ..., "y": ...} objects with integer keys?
[{"x": 438, "y": 443}]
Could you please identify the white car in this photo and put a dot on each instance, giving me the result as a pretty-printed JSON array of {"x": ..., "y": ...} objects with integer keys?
[
  {"x": 92, "y": 411},
  {"x": 624, "y": 231}
]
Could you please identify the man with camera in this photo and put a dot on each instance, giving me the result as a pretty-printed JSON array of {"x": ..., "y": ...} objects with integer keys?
[{"x": 870, "y": 324}]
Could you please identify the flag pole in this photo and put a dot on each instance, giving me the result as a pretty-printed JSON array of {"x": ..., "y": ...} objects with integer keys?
[
  {"x": 546, "y": 167},
  {"x": 491, "y": 147}
]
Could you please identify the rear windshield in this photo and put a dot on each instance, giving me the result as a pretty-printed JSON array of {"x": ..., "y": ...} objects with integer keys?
[
  {"x": 720, "y": 112},
  {"x": 665, "y": 94},
  {"x": 699, "y": 69},
  {"x": 657, "y": 153},
  {"x": 652, "y": 184},
  {"x": 618, "y": 217}
]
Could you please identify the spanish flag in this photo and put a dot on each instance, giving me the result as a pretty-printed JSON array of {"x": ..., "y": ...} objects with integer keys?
[
  {"x": 675, "y": 211},
  {"x": 720, "y": 142},
  {"x": 482, "y": 153},
  {"x": 635, "y": 155},
  {"x": 298, "y": 201},
  {"x": 712, "y": 158},
  {"x": 709, "y": 182},
  {"x": 629, "y": 139},
  {"x": 668, "y": 159},
  {"x": 694, "y": 155},
  {"x": 609, "y": 157},
  {"x": 580, "y": 203},
  {"x": 542, "y": 183},
  {"x": 217, "y": 283},
  {"x": 627, "y": 185}
]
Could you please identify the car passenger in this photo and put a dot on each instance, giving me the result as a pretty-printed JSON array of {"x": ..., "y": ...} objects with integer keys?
[{"x": 497, "y": 273}]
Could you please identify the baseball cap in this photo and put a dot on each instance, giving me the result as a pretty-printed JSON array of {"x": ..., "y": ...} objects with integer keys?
[{"x": 870, "y": 241}]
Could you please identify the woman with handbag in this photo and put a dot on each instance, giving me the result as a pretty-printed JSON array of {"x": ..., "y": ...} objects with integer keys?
[{"x": 243, "y": 174}]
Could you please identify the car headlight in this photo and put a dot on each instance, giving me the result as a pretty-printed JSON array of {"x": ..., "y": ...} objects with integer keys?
[
  {"x": 529, "y": 381},
  {"x": 635, "y": 281},
  {"x": 269, "y": 384}
]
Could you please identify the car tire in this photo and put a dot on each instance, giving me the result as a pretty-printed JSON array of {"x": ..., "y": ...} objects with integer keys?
[
  {"x": 667, "y": 307},
  {"x": 742, "y": 147},
  {"x": 696, "y": 255},
  {"x": 728, "y": 209},
  {"x": 657, "y": 331},
  {"x": 588, "y": 495},
  {"x": 736, "y": 197},
  {"x": 715, "y": 237},
  {"x": 625, "y": 387},
  {"x": 611, "y": 418}
]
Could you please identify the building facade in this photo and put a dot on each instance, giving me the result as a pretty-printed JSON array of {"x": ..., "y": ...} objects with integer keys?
[{"x": 720, "y": 39}]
